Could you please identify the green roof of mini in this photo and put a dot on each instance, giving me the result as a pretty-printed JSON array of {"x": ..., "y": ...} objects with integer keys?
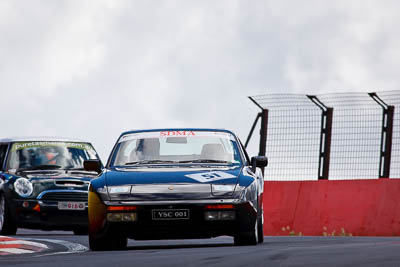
[{"x": 40, "y": 139}]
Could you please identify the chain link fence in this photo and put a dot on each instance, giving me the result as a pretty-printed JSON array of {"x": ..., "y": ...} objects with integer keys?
[
  {"x": 331, "y": 136},
  {"x": 293, "y": 133}
]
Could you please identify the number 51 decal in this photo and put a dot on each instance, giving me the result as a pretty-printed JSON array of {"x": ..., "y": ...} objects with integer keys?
[{"x": 210, "y": 176}]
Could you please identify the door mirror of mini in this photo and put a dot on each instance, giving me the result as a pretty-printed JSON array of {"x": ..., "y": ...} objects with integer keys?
[
  {"x": 92, "y": 165},
  {"x": 258, "y": 161}
]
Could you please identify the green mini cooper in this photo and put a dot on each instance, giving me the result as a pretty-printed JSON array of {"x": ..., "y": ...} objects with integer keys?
[{"x": 43, "y": 184}]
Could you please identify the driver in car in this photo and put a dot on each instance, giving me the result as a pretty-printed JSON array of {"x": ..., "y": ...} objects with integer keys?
[{"x": 48, "y": 155}]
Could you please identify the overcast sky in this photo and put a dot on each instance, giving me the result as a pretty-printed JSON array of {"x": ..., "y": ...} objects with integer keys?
[{"x": 92, "y": 69}]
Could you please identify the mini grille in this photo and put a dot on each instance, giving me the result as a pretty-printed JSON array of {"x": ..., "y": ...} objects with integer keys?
[{"x": 65, "y": 196}]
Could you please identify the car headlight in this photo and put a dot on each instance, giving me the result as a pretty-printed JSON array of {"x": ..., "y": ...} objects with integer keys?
[
  {"x": 23, "y": 187},
  {"x": 222, "y": 189},
  {"x": 119, "y": 190}
]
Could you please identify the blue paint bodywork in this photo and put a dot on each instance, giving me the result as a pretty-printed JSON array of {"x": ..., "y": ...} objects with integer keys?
[
  {"x": 178, "y": 174},
  {"x": 168, "y": 186}
]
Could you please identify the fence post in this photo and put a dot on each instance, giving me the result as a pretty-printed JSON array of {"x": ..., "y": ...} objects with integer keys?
[
  {"x": 325, "y": 138},
  {"x": 386, "y": 136},
  {"x": 263, "y": 132},
  {"x": 252, "y": 130},
  {"x": 263, "y": 129}
]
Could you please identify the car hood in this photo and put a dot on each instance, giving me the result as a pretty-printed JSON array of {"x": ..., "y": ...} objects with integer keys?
[{"x": 171, "y": 183}]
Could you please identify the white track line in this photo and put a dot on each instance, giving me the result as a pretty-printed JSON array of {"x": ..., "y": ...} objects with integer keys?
[
  {"x": 16, "y": 250},
  {"x": 72, "y": 247},
  {"x": 23, "y": 242}
]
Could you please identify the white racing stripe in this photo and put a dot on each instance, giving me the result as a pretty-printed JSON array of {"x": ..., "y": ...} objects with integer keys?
[{"x": 16, "y": 250}]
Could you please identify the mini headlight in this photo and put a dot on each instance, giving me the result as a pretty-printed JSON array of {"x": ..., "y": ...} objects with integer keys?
[{"x": 23, "y": 187}]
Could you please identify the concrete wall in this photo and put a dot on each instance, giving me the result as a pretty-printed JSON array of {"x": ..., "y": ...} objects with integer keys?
[{"x": 358, "y": 208}]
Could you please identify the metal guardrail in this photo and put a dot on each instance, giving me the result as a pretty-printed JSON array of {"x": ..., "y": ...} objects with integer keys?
[{"x": 330, "y": 136}]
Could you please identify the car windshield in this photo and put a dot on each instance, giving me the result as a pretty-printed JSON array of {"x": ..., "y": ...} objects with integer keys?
[
  {"x": 43, "y": 155},
  {"x": 177, "y": 147}
]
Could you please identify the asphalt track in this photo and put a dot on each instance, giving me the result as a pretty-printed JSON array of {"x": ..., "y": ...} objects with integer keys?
[{"x": 275, "y": 251}]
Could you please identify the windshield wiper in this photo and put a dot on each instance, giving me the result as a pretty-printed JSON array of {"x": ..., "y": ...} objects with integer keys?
[
  {"x": 40, "y": 167},
  {"x": 77, "y": 170},
  {"x": 204, "y": 161},
  {"x": 154, "y": 161}
]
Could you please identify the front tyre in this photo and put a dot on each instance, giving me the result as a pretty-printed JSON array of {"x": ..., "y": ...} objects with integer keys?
[
  {"x": 107, "y": 242},
  {"x": 248, "y": 238},
  {"x": 260, "y": 219},
  {"x": 260, "y": 229},
  {"x": 7, "y": 226}
]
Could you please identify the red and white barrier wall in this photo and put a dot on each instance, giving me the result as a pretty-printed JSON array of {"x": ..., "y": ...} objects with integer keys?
[{"x": 356, "y": 207}]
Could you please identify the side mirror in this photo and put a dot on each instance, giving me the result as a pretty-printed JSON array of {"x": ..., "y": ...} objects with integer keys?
[
  {"x": 258, "y": 161},
  {"x": 92, "y": 165}
]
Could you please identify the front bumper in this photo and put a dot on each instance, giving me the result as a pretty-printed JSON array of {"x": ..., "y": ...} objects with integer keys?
[
  {"x": 196, "y": 226},
  {"x": 46, "y": 215}
]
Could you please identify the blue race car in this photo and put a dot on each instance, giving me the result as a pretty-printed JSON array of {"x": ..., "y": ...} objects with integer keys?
[{"x": 173, "y": 184}]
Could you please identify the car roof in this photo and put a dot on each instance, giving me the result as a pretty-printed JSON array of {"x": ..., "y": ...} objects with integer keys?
[
  {"x": 40, "y": 139},
  {"x": 177, "y": 129}
]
